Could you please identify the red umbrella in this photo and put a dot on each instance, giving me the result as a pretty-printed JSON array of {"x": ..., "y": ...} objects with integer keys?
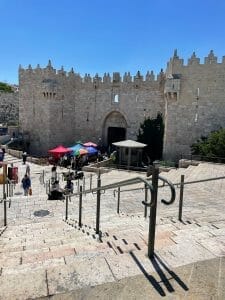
[
  {"x": 90, "y": 144},
  {"x": 59, "y": 151}
]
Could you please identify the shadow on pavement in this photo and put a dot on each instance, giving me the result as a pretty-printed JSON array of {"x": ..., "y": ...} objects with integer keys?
[{"x": 156, "y": 262}]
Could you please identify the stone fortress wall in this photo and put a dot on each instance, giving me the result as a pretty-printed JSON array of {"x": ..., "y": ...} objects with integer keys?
[
  {"x": 194, "y": 101},
  {"x": 9, "y": 108},
  {"x": 61, "y": 108},
  {"x": 58, "y": 107}
]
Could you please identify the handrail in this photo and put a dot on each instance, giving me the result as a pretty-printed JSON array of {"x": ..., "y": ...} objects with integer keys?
[
  {"x": 202, "y": 180},
  {"x": 153, "y": 188},
  {"x": 172, "y": 188},
  {"x": 118, "y": 184},
  {"x": 169, "y": 183}
]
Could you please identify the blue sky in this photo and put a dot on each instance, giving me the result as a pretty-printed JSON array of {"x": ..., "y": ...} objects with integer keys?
[{"x": 97, "y": 36}]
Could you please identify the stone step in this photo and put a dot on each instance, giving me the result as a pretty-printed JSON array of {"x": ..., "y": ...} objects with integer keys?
[{"x": 45, "y": 281}]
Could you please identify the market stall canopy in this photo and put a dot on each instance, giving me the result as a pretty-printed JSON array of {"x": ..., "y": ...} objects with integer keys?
[
  {"x": 59, "y": 151},
  {"x": 90, "y": 144},
  {"x": 81, "y": 151},
  {"x": 130, "y": 152},
  {"x": 129, "y": 144},
  {"x": 75, "y": 148},
  {"x": 91, "y": 150}
]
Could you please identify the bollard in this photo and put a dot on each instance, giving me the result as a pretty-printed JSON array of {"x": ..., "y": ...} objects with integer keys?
[
  {"x": 146, "y": 200},
  {"x": 66, "y": 207},
  {"x": 153, "y": 208},
  {"x": 118, "y": 201},
  {"x": 98, "y": 204},
  {"x": 181, "y": 198},
  {"x": 80, "y": 207}
]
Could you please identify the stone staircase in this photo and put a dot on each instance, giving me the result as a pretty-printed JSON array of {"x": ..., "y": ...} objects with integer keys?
[
  {"x": 42, "y": 255},
  {"x": 51, "y": 256}
]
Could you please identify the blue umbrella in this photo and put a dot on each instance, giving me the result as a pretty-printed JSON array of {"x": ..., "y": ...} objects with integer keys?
[
  {"x": 75, "y": 148},
  {"x": 91, "y": 150}
]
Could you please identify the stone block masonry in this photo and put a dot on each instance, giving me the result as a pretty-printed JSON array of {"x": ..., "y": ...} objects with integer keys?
[{"x": 58, "y": 107}]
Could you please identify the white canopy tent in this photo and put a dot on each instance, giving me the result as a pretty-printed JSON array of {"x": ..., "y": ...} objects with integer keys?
[{"x": 134, "y": 151}]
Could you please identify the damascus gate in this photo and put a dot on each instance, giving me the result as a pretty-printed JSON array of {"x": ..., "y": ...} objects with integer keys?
[{"x": 59, "y": 107}]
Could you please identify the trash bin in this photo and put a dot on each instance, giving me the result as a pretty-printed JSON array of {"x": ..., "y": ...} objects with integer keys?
[{"x": 13, "y": 174}]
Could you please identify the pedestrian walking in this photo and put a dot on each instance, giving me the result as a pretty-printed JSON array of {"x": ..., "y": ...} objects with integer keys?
[
  {"x": 26, "y": 183},
  {"x": 28, "y": 170},
  {"x": 54, "y": 174},
  {"x": 24, "y": 157}
]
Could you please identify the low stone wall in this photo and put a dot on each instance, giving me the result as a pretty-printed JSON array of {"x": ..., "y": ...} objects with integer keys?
[
  {"x": 18, "y": 154},
  {"x": 184, "y": 163},
  {"x": 99, "y": 166}
]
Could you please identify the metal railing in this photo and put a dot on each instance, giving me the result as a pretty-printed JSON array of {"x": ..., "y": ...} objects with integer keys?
[
  {"x": 151, "y": 187},
  {"x": 182, "y": 183}
]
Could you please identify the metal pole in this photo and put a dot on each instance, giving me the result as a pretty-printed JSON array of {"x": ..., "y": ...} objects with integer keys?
[
  {"x": 5, "y": 210},
  {"x": 7, "y": 187},
  {"x": 181, "y": 197},
  {"x": 78, "y": 185},
  {"x": 118, "y": 201},
  {"x": 90, "y": 181},
  {"x": 80, "y": 207},
  {"x": 146, "y": 200},
  {"x": 4, "y": 178},
  {"x": 84, "y": 183},
  {"x": 98, "y": 204},
  {"x": 67, "y": 207},
  {"x": 152, "y": 221}
]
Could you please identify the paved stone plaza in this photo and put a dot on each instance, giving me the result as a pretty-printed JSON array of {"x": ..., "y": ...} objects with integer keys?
[{"x": 42, "y": 256}]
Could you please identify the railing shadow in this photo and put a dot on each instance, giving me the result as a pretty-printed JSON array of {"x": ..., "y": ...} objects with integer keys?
[{"x": 159, "y": 265}]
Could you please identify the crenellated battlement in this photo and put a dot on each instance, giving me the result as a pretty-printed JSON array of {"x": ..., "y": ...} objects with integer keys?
[
  {"x": 211, "y": 59},
  {"x": 115, "y": 78},
  {"x": 71, "y": 107}
]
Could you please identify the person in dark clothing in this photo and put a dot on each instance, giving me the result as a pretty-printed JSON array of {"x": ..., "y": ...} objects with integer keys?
[
  {"x": 69, "y": 186},
  {"x": 26, "y": 182},
  {"x": 24, "y": 157},
  {"x": 56, "y": 192}
]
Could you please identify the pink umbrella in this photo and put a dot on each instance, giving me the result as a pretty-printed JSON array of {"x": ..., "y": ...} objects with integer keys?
[{"x": 90, "y": 144}]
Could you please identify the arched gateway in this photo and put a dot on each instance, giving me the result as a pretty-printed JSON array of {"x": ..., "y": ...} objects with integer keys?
[{"x": 114, "y": 128}]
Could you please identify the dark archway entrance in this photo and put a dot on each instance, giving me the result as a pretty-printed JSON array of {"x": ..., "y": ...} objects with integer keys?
[{"x": 116, "y": 134}]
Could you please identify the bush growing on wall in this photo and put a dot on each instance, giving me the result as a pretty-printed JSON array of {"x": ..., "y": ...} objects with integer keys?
[
  {"x": 5, "y": 87},
  {"x": 211, "y": 146},
  {"x": 151, "y": 133}
]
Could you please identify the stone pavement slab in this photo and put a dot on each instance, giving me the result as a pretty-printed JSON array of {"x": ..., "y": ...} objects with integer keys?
[
  {"x": 84, "y": 272},
  {"x": 28, "y": 285}
]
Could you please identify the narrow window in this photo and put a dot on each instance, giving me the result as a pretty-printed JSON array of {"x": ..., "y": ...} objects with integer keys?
[{"x": 116, "y": 98}]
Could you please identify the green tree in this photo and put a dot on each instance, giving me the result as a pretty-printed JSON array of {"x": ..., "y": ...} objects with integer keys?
[
  {"x": 151, "y": 133},
  {"x": 211, "y": 146},
  {"x": 5, "y": 87}
]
